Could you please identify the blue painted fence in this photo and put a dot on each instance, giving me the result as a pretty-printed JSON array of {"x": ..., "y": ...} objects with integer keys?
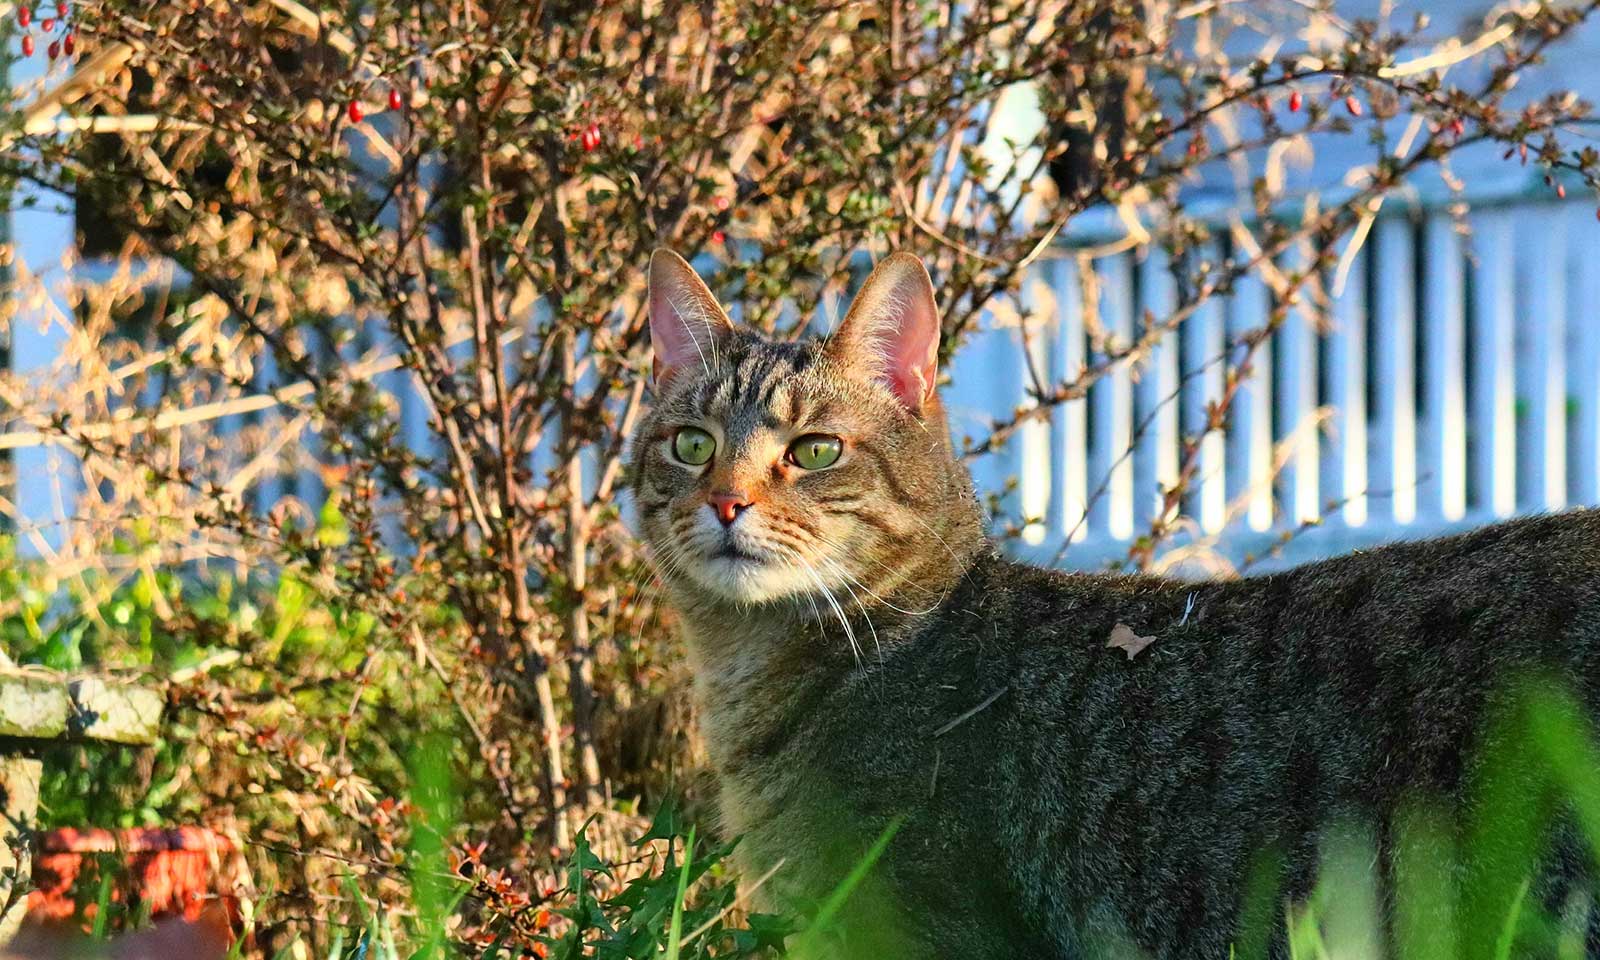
[{"x": 1454, "y": 380}]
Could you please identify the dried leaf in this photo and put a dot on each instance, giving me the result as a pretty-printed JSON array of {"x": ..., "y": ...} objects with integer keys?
[{"x": 1124, "y": 638}]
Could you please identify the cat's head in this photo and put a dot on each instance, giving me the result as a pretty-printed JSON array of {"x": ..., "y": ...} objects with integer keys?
[{"x": 769, "y": 470}]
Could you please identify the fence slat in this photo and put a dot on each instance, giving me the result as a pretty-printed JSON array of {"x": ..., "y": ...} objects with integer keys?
[
  {"x": 1541, "y": 376},
  {"x": 1443, "y": 444},
  {"x": 1583, "y": 339},
  {"x": 1345, "y": 464},
  {"x": 1035, "y": 471},
  {"x": 1111, "y": 406},
  {"x": 1205, "y": 344},
  {"x": 1069, "y": 421},
  {"x": 1491, "y": 480},
  {"x": 1393, "y": 475},
  {"x": 1249, "y": 442},
  {"x": 1155, "y": 460},
  {"x": 1297, "y": 387}
]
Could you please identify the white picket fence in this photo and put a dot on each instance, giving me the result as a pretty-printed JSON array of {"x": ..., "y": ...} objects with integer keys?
[{"x": 1455, "y": 381}]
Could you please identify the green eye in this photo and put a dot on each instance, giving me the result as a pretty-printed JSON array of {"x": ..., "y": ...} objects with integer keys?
[
  {"x": 815, "y": 451},
  {"x": 693, "y": 446}
]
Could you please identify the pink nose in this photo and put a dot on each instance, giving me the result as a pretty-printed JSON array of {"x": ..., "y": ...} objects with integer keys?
[{"x": 728, "y": 506}]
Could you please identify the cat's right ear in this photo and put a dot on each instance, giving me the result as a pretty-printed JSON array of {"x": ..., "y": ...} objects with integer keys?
[
  {"x": 686, "y": 322},
  {"x": 891, "y": 332}
]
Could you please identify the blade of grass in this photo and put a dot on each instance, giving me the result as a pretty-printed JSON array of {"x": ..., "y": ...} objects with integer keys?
[
  {"x": 102, "y": 905},
  {"x": 1507, "y": 816},
  {"x": 1425, "y": 864},
  {"x": 1508, "y": 933},
  {"x": 1260, "y": 909},
  {"x": 675, "y": 931},
  {"x": 287, "y": 950},
  {"x": 836, "y": 900}
]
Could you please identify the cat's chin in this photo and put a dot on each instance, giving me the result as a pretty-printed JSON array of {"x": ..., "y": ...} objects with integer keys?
[{"x": 748, "y": 579}]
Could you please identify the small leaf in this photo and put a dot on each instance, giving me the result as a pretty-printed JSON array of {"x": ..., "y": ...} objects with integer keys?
[
  {"x": 1124, "y": 638},
  {"x": 668, "y": 824}
]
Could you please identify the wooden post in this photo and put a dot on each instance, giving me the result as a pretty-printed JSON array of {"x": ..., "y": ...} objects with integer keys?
[
  {"x": 37, "y": 706},
  {"x": 19, "y": 804}
]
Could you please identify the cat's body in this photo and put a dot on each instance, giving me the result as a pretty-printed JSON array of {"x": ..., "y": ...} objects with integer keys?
[
  {"x": 1098, "y": 796},
  {"x": 1055, "y": 796}
]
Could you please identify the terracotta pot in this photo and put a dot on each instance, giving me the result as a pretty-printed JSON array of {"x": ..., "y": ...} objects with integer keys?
[{"x": 174, "y": 872}]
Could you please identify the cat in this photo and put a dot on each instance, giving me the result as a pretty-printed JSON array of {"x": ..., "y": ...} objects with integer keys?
[{"x": 867, "y": 664}]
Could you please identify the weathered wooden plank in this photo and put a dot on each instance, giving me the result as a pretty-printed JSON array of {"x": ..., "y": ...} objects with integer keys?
[
  {"x": 1491, "y": 474},
  {"x": 1345, "y": 462},
  {"x": 1442, "y": 492},
  {"x": 1583, "y": 349},
  {"x": 117, "y": 713},
  {"x": 33, "y": 706},
  {"x": 1069, "y": 421},
  {"x": 1204, "y": 365},
  {"x": 19, "y": 804},
  {"x": 46, "y": 706},
  {"x": 1031, "y": 447},
  {"x": 1393, "y": 475},
  {"x": 1249, "y": 442},
  {"x": 1541, "y": 373},
  {"x": 1298, "y": 427},
  {"x": 1155, "y": 457},
  {"x": 1111, "y": 406}
]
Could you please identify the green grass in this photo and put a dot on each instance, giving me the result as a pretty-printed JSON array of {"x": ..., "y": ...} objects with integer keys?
[{"x": 1463, "y": 888}]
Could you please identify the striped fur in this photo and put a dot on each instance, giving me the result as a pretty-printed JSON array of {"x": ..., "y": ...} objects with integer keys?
[{"x": 1059, "y": 798}]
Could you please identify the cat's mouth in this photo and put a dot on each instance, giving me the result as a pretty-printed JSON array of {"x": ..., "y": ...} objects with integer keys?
[
  {"x": 733, "y": 552},
  {"x": 744, "y": 569}
]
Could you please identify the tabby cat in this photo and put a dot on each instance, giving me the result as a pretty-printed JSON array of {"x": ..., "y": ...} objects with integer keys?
[{"x": 865, "y": 659}]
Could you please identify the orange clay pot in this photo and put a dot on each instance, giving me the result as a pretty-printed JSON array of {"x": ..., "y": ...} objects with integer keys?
[{"x": 176, "y": 872}]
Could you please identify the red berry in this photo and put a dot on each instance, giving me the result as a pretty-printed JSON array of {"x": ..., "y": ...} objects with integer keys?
[
  {"x": 395, "y": 102},
  {"x": 54, "y": 50},
  {"x": 27, "y": 45},
  {"x": 591, "y": 137},
  {"x": 1294, "y": 102},
  {"x": 355, "y": 111},
  {"x": 1458, "y": 126},
  {"x": 1353, "y": 105},
  {"x": 719, "y": 236},
  {"x": 24, "y": 16},
  {"x": 1561, "y": 191},
  {"x": 69, "y": 43},
  {"x": 722, "y": 203},
  {"x": 62, "y": 10},
  {"x": 48, "y": 25}
]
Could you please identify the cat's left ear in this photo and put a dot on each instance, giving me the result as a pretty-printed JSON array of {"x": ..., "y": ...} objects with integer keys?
[
  {"x": 686, "y": 322},
  {"x": 892, "y": 331}
]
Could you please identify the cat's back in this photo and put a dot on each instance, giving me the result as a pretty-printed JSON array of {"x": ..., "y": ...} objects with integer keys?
[
  {"x": 1155, "y": 734},
  {"x": 1540, "y": 574}
]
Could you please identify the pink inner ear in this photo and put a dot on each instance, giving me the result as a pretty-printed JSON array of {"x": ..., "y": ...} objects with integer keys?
[
  {"x": 911, "y": 354},
  {"x": 670, "y": 332},
  {"x": 685, "y": 320},
  {"x": 893, "y": 330}
]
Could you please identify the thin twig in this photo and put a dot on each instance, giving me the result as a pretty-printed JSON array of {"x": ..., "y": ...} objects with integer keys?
[{"x": 991, "y": 698}]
